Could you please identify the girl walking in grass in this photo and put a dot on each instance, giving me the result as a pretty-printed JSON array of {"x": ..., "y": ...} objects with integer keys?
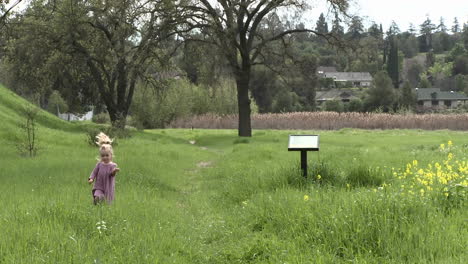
[{"x": 103, "y": 175}]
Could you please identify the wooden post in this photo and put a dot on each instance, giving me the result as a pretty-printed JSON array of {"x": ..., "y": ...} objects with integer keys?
[{"x": 304, "y": 163}]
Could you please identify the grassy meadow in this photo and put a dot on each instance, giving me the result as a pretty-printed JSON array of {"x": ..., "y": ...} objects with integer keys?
[{"x": 221, "y": 199}]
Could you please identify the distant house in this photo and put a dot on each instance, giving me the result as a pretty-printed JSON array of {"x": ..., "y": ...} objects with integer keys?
[
  {"x": 322, "y": 70},
  {"x": 335, "y": 95},
  {"x": 435, "y": 98},
  {"x": 168, "y": 75},
  {"x": 357, "y": 79}
]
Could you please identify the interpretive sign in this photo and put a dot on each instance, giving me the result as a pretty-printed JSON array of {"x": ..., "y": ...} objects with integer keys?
[{"x": 303, "y": 143}]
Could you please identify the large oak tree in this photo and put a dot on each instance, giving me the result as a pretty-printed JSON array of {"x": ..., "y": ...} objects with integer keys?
[
  {"x": 234, "y": 26},
  {"x": 120, "y": 39}
]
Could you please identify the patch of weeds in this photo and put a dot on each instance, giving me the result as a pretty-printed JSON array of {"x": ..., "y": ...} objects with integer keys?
[
  {"x": 241, "y": 141},
  {"x": 294, "y": 177},
  {"x": 324, "y": 173},
  {"x": 260, "y": 133},
  {"x": 365, "y": 176}
]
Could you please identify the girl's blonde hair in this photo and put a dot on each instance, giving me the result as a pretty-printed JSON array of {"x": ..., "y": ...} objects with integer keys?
[{"x": 105, "y": 143}]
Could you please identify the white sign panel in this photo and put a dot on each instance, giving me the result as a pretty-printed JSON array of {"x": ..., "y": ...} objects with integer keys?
[{"x": 304, "y": 142}]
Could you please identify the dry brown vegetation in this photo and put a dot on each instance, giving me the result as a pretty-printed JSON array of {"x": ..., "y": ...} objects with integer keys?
[{"x": 330, "y": 121}]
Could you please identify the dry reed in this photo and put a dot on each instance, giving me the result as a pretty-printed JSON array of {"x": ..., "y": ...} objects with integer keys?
[{"x": 330, "y": 121}]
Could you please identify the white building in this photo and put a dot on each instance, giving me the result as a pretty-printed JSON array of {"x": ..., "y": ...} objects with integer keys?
[{"x": 72, "y": 117}]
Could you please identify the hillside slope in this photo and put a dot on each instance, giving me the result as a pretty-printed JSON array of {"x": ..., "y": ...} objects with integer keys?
[
  {"x": 11, "y": 106},
  {"x": 52, "y": 131}
]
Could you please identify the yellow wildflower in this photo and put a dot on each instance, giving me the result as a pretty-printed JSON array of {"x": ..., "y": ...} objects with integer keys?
[{"x": 306, "y": 197}]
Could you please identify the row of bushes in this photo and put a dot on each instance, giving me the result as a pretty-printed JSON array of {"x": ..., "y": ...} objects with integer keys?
[{"x": 157, "y": 108}]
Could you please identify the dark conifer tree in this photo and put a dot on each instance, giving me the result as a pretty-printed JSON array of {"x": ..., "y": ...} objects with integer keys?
[
  {"x": 322, "y": 25},
  {"x": 356, "y": 29},
  {"x": 393, "y": 63},
  {"x": 337, "y": 28},
  {"x": 455, "y": 26},
  {"x": 442, "y": 27},
  {"x": 427, "y": 29},
  {"x": 412, "y": 29}
]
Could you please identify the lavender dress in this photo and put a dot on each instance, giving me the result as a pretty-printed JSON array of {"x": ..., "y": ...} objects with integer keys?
[{"x": 104, "y": 181}]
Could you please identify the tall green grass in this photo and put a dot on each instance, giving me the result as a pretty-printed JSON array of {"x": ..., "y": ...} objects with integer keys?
[{"x": 222, "y": 200}]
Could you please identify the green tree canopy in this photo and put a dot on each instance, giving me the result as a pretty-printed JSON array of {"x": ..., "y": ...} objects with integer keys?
[
  {"x": 382, "y": 93},
  {"x": 407, "y": 97}
]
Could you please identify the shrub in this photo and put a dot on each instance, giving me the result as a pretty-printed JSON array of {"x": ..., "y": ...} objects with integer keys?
[
  {"x": 334, "y": 106},
  {"x": 56, "y": 103},
  {"x": 27, "y": 140},
  {"x": 102, "y": 118},
  {"x": 326, "y": 83},
  {"x": 354, "y": 106},
  {"x": 157, "y": 108},
  {"x": 381, "y": 94},
  {"x": 322, "y": 172},
  {"x": 444, "y": 181}
]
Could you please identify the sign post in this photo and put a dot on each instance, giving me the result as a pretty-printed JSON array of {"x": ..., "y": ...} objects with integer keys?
[{"x": 303, "y": 143}]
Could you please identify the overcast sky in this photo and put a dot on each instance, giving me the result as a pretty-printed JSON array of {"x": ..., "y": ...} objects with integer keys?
[{"x": 405, "y": 12}]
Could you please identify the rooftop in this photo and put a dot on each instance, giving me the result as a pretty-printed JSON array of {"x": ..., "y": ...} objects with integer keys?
[
  {"x": 349, "y": 76},
  {"x": 429, "y": 94},
  {"x": 324, "y": 69}
]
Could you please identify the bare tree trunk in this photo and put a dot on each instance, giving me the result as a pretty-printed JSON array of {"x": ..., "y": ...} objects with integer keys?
[
  {"x": 118, "y": 118},
  {"x": 243, "y": 101}
]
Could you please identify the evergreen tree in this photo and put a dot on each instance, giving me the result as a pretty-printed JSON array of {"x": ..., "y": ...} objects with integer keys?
[
  {"x": 381, "y": 94},
  {"x": 394, "y": 29},
  {"x": 322, "y": 25},
  {"x": 393, "y": 63},
  {"x": 392, "y": 33},
  {"x": 465, "y": 36},
  {"x": 337, "y": 28},
  {"x": 461, "y": 83},
  {"x": 356, "y": 28},
  {"x": 442, "y": 27},
  {"x": 456, "y": 26},
  {"x": 427, "y": 28},
  {"x": 412, "y": 29},
  {"x": 408, "y": 97},
  {"x": 374, "y": 31}
]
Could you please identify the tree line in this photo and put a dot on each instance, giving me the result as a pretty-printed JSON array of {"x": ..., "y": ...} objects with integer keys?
[{"x": 123, "y": 56}]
